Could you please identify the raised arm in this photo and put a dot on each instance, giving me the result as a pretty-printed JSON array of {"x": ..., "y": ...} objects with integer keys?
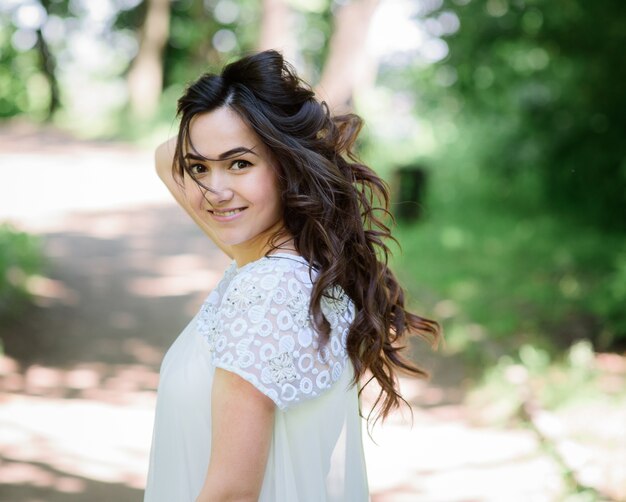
[
  {"x": 164, "y": 156},
  {"x": 241, "y": 433}
]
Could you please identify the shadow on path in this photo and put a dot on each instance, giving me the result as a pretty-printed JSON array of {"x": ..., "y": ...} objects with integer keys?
[
  {"x": 120, "y": 286},
  {"x": 56, "y": 486},
  {"x": 78, "y": 380}
]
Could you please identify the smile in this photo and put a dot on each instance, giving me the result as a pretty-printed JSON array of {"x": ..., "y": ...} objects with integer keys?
[
  {"x": 230, "y": 212},
  {"x": 226, "y": 215}
]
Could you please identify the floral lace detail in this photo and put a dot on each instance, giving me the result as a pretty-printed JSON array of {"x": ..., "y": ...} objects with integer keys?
[
  {"x": 334, "y": 304},
  {"x": 282, "y": 368},
  {"x": 336, "y": 299},
  {"x": 240, "y": 298},
  {"x": 208, "y": 323},
  {"x": 298, "y": 306},
  {"x": 257, "y": 325}
]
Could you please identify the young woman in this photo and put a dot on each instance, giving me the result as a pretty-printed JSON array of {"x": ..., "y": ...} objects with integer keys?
[{"x": 259, "y": 396}]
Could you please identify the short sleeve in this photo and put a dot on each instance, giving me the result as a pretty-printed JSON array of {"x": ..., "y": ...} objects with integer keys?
[{"x": 261, "y": 330}]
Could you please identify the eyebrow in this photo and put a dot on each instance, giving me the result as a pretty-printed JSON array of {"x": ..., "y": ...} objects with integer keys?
[{"x": 233, "y": 152}]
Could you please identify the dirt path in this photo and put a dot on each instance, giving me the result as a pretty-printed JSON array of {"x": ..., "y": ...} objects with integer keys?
[{"x": 126, "y": 271}]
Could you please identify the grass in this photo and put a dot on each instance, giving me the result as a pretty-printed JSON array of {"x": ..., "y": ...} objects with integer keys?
[
  {"x": 20, "y": 258},
  {"x": 498, "y": 274}
]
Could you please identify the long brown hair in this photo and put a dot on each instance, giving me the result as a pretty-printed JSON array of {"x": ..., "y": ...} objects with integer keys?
[{"x": 334, "y": 206}]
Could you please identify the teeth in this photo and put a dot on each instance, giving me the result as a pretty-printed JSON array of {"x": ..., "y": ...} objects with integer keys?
[{"x": 226, "y": 213}]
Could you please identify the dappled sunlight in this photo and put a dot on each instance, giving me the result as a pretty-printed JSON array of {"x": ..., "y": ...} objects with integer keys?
[
  {"x": 114, "y": 383},
  {"x": 142, "y": 351},
  {"x": 47, "y": 291},
  {"x": 596, "y": 454},
  {"x": 112, "y": 277},
  {"x": 175, "y": 285},
  {"x": 23, "y": 473},
  {"x": 109, "y": 227},
  {"x": 95, "y": 440},
  {"x": 85, "y": 180},
  {"x": 60, "y": 427},
  {"x": 442, "y": 454},
  {"x": 425, "y": 393},
  {"x": 435, "y": 448}
]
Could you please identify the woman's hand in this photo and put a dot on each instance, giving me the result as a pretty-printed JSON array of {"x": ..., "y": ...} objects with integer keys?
[
  {"x": 241, "y": 434},
  {"x": 164, "y": 157}
]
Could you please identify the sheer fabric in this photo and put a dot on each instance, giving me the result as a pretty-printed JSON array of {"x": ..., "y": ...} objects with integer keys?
[{"x": 256, "y": 324}]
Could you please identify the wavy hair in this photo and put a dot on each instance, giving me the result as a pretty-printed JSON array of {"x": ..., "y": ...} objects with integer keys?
[{"x": 334, "y": 206}]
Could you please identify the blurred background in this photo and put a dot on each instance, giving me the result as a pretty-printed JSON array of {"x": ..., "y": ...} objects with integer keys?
[{"x": 499, "y": 125}]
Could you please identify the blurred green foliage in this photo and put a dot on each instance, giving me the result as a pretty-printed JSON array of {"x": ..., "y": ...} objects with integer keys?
[
  {"x": 544, "y": 76},
  {"x": 497, "y": 266},
  {"x": 524, "y": 234},
  {"x": 20, "y": 259},
  {"x": 20, "y": 80}
]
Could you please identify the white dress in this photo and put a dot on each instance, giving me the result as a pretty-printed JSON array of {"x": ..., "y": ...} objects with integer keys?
[{"x": 256, "y": 324}]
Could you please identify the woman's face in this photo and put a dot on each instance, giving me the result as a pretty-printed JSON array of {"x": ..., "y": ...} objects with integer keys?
[{"x": 243, "y": 207}]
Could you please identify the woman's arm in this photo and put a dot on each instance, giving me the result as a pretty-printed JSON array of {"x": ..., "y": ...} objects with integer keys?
[
  {"x": 241, "y": 434},
  {"x": 164, "y": 157}
]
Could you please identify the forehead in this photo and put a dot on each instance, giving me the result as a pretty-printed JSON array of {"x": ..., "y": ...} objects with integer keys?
[{"x": 220, "y": 130}]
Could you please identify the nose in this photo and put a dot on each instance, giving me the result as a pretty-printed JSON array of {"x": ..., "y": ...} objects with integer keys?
[{"x": 218, "y": 191}]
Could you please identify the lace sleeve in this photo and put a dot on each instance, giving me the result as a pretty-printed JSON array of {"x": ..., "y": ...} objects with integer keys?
[{"x": 261, "y": 330}]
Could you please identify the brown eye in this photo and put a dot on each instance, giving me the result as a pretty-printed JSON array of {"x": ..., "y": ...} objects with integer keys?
[
  {"x": 197, "y": 169},
  {"x": 239, "y": 164}
]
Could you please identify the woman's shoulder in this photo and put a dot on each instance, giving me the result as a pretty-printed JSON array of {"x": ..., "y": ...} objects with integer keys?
[
  {"x": 278, "y": 266},
  {"x": 263, "y": 330},
  {"x": 272, "y": 282}
]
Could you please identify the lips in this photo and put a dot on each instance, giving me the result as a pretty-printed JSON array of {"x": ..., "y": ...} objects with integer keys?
[
  {"x": 226, "y": 215},
  {"x": 226, "y": 212}
]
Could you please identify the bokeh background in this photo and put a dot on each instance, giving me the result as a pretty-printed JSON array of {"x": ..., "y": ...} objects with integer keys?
[{"x": 500, "y": 127}]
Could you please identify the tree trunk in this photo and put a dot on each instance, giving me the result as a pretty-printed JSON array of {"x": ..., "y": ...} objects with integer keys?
[
  {"x": 145, "y": 77},
  {"x": 348, "y": 66},
  {"x": 48, "y": 66}
]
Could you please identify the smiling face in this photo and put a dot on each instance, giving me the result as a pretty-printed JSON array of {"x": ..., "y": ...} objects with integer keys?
[{"x": 242, "y": 204}]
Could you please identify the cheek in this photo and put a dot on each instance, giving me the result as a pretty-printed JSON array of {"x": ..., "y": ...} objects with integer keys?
[
  {"x": 278, "y": 201},
  {"x": 272, "y": 198},
  {"x": 262, "y": 190}
]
